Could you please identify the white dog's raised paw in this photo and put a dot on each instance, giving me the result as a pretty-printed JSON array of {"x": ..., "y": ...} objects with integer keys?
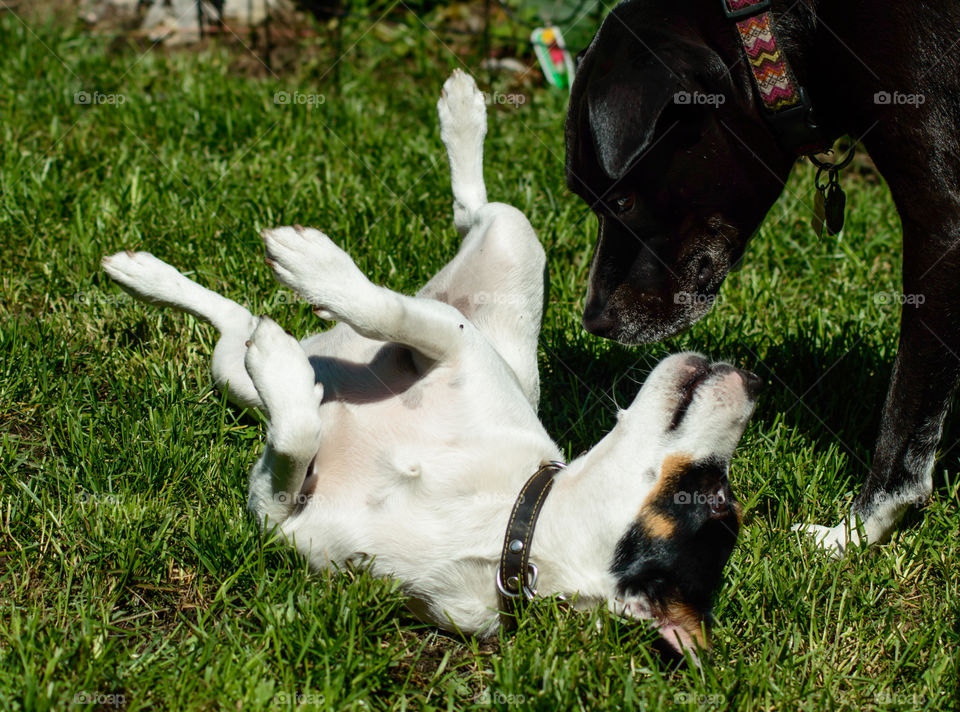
[
  {"x": 144, "y": 276},
  {"x": 831, "y": 540},
  {"x": 462, "y": 110},
  {"x": 309, "y": 263},
  {"x": 280, "y": 371}
]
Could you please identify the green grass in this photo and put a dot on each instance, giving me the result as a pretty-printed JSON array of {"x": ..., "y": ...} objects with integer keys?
[{"x": 131, "y": 571}]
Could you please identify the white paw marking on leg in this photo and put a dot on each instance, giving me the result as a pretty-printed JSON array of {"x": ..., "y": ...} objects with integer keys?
[
  {"x": 143, "y": 275},
  {"x": 308, "y": 262},
  {"x": 832, "y": 540},
  {"x": 280, "y": 371},
  {"x": 462, "y": 111}
]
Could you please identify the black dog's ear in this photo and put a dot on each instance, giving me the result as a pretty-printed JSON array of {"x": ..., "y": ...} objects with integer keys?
[
  {"x": 578, "y": 59},
  {"x": 624, "y": 106}
]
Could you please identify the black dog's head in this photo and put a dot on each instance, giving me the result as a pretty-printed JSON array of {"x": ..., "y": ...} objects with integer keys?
[{"x": 667, "y": 146}]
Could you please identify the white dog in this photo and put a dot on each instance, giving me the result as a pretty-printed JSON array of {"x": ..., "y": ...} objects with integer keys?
[{"x": 403, "y": 436}]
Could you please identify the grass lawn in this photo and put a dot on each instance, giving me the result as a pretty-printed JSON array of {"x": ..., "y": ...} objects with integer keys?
[{"x": 132, "y": 575}]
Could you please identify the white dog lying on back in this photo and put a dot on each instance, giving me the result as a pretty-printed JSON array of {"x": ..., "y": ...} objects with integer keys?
[{"x": 402, "y": 436}]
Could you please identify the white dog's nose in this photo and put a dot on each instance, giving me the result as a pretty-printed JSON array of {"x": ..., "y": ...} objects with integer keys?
[{"x": 752, "y": 383}]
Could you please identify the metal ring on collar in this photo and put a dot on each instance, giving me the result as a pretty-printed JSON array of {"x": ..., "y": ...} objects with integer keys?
[
  {"x": 528, "y": 589},
  {"x": 836, "y": 165}
]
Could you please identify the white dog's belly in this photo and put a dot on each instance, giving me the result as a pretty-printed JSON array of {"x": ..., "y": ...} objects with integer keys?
[{"x": 409, "y": 462}]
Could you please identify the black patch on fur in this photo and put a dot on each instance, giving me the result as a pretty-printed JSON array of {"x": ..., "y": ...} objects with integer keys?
[{"x": 686, "y": 566}]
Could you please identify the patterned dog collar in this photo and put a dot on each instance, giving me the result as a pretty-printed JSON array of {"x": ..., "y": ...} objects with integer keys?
[{"x": 786, "y": 104}]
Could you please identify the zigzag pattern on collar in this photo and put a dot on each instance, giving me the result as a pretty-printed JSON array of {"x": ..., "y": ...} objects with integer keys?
[{"x": 771, "y": 72}]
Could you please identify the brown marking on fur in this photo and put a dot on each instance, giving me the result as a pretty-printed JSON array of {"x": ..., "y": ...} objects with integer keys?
[
  {"x": 657, "y": 525},
  {"x": 682, "y": 615},
  {"x": 671, "y": 470},
  {"x": 738, "y": 512}
]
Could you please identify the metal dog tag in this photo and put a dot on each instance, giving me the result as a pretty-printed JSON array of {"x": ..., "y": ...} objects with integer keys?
[
  {"x": 818, "y": 213},
  {"x": 834, "y": 203}
]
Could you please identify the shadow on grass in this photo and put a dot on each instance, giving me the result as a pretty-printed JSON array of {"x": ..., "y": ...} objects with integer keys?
[{"x": 831, "y": 389}]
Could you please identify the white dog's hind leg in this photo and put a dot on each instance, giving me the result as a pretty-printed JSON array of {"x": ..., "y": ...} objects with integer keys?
[
  {"x": 283, "y": 377},
  {"x": 463, "y": 125},
  {"x": 309, "y": 263},
  {"x": 153, "y": 281}
]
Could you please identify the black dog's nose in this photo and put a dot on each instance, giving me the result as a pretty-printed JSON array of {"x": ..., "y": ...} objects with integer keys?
[
  {"x": 704, "y": 272},
  {"x": 597, "y": 320},
  {"x": 752, "y": 383}
]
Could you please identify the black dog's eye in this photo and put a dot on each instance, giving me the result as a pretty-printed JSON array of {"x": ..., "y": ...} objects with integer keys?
[{"x": 625, "y": 203}]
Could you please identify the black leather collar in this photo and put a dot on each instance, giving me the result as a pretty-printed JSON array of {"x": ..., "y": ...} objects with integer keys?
[{"x": 516, "y": 576}]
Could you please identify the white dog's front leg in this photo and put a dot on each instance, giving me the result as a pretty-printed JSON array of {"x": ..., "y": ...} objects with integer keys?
[
  {"x": 463, "y": 124},
  {"x": 309, "y": 263},
  {"x": 285, "y": 381},
  {"x": 155, "y": 282}
]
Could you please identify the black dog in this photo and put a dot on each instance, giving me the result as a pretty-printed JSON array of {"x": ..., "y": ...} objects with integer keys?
[{"x": 672, "y": 141}]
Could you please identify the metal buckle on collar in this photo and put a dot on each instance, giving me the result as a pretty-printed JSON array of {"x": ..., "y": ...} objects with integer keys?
[
  {"x": 754, "y": 9},
  {"x": 797, "y": 127},
  {"x": 528, "y": 589}
]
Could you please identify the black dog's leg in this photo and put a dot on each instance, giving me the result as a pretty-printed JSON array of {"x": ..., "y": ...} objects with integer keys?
[{"x": 925, "y": 376}]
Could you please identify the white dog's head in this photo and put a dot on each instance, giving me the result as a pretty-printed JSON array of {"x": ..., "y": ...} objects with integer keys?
[{"x": 667, "y": 464}]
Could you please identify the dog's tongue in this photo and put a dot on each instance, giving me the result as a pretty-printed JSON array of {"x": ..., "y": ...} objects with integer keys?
[{"x": 684, "y": 634}]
